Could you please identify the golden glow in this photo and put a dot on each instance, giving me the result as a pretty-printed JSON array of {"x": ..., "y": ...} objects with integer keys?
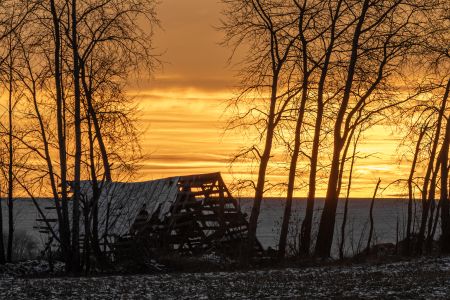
[
  {"x": 184, "y": 134},
  {"x": 184, "y": 110}
]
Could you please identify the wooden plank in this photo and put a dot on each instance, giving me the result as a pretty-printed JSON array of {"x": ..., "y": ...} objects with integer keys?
[
  {"x": 188, "y": 203},
  {"x": 217, "y": 209},
  {"x": 41, "y": 227},
  {"x": 199, "y": 193},
  {"x": 47, "y": 220},
  {"x": 192, "y": 213},
  {"x": 200, "y": 178},
  {"x": 217, "y": 201},
  {"x": 231, "y": 216},
  {"x": 183, "y": 224}
]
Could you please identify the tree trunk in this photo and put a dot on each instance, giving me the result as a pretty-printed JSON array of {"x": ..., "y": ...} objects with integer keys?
[
  {"x": 327, "y": 221},
  {"x": 93, "y": 115},
  {"x": 295, "y": 152},
  {"x": 87, "y": 234},
  {"x": 93, "y": 204},
  {"x": 305, "y": 233},
  {"x": 426, "y": 183},
  {"x": 369, "y": 239},
  {"x": 445, "y": 214},
  {"x": 436, "y": 219},
  {"x": 10, "y": 162},
  {"x": 265, "y": 157},
  {"x": 101, "y": 143},
  {"x": 407, "y": 248},
  {"x": 432, "y": 201},
  {"x": 64, "y": 227},
  {"x": 77, "y": 122},
  {"x": 2, "y": 246},
  {"x": 349, "y": 186},
  {"x": 259, "y": 192}
]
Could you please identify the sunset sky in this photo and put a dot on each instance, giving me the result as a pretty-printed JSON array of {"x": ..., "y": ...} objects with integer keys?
[{"x": 184, "y": 106}]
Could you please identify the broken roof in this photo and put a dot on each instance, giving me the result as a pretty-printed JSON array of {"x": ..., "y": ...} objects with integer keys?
[{"x": 123, "y": 200}]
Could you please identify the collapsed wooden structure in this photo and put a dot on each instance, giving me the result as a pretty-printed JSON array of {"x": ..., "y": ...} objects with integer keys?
[{"x": 186, "y": 214}]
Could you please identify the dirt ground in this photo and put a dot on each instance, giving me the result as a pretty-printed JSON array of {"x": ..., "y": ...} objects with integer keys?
[{"x": 427, "y": 278}]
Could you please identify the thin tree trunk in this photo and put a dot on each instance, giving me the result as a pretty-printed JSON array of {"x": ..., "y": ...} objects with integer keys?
[
  {"x": 397, "y": 234},
  {"x": 64, "y": 223},
  {"x": 436, "y": 219},
  {"x": 87, "y": 234},
  {"x": 93, "y": 213},
  {"x": 305, "y": 233},
  {"x": 10, "y": 161},
  {"x": 277, "y": 62},
  {"x": 369, "y": 239},
  {"x": 296, "y": 150},
  {"x": 46, "y": 155},
  {"x": 344, "y": 158},
  {"x": 265, "y": 157},
  {"x": 426, "y": 183},
  {"x": 327, "y": 221},
  {"x": 93, "y": 114},
  {"x": 407, "y": 248},
  {"x": 77, "y": 122},
  {"x": 432, "y": 200},
  {"x": 349, "y": 186},
  {"x": 445, "y": 214},
  {"x": 2, "y": 246},
  {"x": 101, "y": 143},
  {"x": 105, "y": 234},
  {"x": 48, "y": 160},
  {"x": 87, "y": 87}
]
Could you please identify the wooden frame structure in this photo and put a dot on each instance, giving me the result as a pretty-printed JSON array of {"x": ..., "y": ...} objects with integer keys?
[
  {"x": 205, "y": 216},
  {"x": 189, "y": 215}
]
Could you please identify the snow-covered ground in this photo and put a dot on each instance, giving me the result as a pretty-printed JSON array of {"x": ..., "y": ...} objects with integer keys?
[{"x": 427, "y": 278}]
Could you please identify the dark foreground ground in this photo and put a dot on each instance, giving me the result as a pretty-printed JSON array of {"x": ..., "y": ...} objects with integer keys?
[{"x": 427, "y": 278}]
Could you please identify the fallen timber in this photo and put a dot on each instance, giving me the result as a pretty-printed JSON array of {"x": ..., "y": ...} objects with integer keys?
[{"x": 187, "y": 215}]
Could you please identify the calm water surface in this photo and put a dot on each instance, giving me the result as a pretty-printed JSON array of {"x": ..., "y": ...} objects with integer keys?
[{"x": 389, "y": 219}]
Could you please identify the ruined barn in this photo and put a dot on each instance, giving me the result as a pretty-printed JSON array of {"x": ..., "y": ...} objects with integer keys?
[{"x": 184, "y": 214}]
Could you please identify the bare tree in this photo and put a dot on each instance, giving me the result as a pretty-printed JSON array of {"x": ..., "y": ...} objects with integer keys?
[
  {"x": 307, "y": 33},
  {"x": 80, "y": 130},
  {"x": 378, "y": 32},
  {"x": 329, "y": 40},
  {"x": 62, "y": 209},
  {"x": 10, "y": 201},
  {"x": 12, "y": 19},
  {"x": 269, "y": 32},
  {"x": 445, "y": 215},
  {"x": 359, "y": 44},
  {"x": 430, "y": 114}
]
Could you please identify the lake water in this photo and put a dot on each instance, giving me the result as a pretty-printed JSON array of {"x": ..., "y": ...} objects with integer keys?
[{"x": 389, "y": 218}]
